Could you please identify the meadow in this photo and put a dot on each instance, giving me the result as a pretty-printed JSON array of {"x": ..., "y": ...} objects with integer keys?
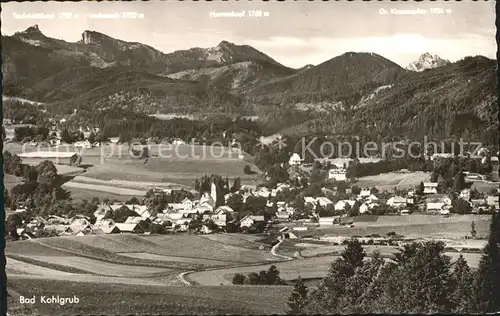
[
  {"x": 114, "y": 299},
  {"x": 112, "y": 169},
  {"x": 314, "y": 267},
  {"x": 388, "y": 181}
]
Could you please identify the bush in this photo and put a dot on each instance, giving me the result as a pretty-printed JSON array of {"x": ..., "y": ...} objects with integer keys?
[
  {"x": 391, "y": 234},
  {"x": 247, "y": 169},
  {"x": 238, "y": 278}
]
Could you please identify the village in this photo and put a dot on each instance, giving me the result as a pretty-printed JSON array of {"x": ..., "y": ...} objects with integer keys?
[{"x": 340, "y": 206}]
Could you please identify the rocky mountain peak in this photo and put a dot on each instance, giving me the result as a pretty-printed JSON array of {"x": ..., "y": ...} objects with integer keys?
[{"x": 427, "y": 61}]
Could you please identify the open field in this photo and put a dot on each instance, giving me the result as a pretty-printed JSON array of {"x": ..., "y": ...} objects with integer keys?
[
  {"x": 155, "y": 257},
  {"x": 188, "y": 252},
  {"x": 111, "y": 299},
  {"x": 180, "y": 164},
  {"x": 62, "y": 169},
  {"x": 307, "y": 268},
  {"x": 100, "y": 267},
  {"x": 169, "y": 171},
  {"x": 239, "y": 240},
  {"x": 200, "y": 247},
  {"x": 485, "y": 187},
  {"x": 442, "y": 230},
  {"x": 414, "y": 225},
  {"x": 128, "y": 184},
  {"x": 79, "y": 194},
  {"x": 387, "y": 181},
  {"x": 103, "y": 188}
]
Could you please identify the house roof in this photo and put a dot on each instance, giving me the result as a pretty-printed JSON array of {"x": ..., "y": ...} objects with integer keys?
[
  {"x": 133, "y": 220},
  {"x": 309, "y": 199},
  {"x": 226, "y": 209},
  {"x": 328, "y": 218},
  {"x": 57, "y": 228},
  {"x": 435, "y": 205},
  {"x": 104, "y": 222},
  {"x": 399, "y": 199},
  {"x": 323, "y": 200},
  {"x": 430, "y": 184},
  {"x": 126, "y": 227},
  {"x": 258, "y": 218}
]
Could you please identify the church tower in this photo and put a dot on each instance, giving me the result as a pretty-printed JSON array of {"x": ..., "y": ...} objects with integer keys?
[{"x": 213, "y": 192}]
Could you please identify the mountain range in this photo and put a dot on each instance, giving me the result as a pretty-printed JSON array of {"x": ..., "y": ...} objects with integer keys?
[{"x": 350, "y": 93}]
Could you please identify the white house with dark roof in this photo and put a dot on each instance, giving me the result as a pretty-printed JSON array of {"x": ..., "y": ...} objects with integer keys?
[
  {"x": 249, "y": 220},
  {"x": 341, "y": 205},
  {"x": 365, "y": 192},
  {"x": 430, "y": 187},
  {"x": 492, "y": 200},
  {"x": 294, "y": 160},
  {"x": 397, "y": 201}
]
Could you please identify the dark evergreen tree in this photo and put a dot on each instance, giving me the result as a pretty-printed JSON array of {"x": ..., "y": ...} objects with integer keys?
[
  {"x": 487, "y": 283},
  {"x": 298, "y": 299}
]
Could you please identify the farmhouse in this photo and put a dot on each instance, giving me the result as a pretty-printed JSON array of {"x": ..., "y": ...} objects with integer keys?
[
  {"x": 364, "y": 193},
  {"x": 224, "y": 210},
  {"x": 445, "y": 212},
  {"x": 328, "y": 221},
  {"x": 337, "y": 174},
  {"x": 341, "y": 205},
  {"x": 294, "y": 160},
  {"x": 434, "y": 206},
  {"x": 364, "y": 208},
  {"x": 83, "y": 144},
  {"x": 183, "y": 224},
  {"x": 430, "y": 187},
  {"x": 309, "y": 200},
  {"x": 372, "y": 198},
  {"x": 397, "y": 201},
  {"x": 188, "y": 204},
  {"x": 323, "y": 201},
  {"x": 492, "y": 201},
  {"x": 249, "y": 220},
  {"x": 283, "y": 215}
]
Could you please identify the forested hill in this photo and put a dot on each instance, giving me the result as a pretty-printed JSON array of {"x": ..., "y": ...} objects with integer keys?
[{"x": 354, "y": 93}]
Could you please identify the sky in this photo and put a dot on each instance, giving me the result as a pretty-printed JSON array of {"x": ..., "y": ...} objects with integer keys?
[{"x": 293, "y": 33}]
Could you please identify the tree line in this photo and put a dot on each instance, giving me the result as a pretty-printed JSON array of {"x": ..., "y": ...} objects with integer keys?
[{"x": 420, "y": 279}]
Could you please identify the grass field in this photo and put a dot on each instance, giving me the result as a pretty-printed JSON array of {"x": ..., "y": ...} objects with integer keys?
[
  {"x": 132, "y": 255},
  {"x": 75, "y": 186},
  {"x": 10, "y": 181},
  {"x": 307, "y": 268},
  {"x": 79, "y": 194},
  {"x": 485, "y": 187},
  {"x": 387, "y": 181},
  {"x": 110, "y": 299},
  {"x": 180, "y": 164},
  {"x": 415, "y": 225}
]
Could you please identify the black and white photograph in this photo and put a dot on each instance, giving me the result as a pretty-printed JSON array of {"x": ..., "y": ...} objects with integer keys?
[{"x": 250, "y": 158}]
